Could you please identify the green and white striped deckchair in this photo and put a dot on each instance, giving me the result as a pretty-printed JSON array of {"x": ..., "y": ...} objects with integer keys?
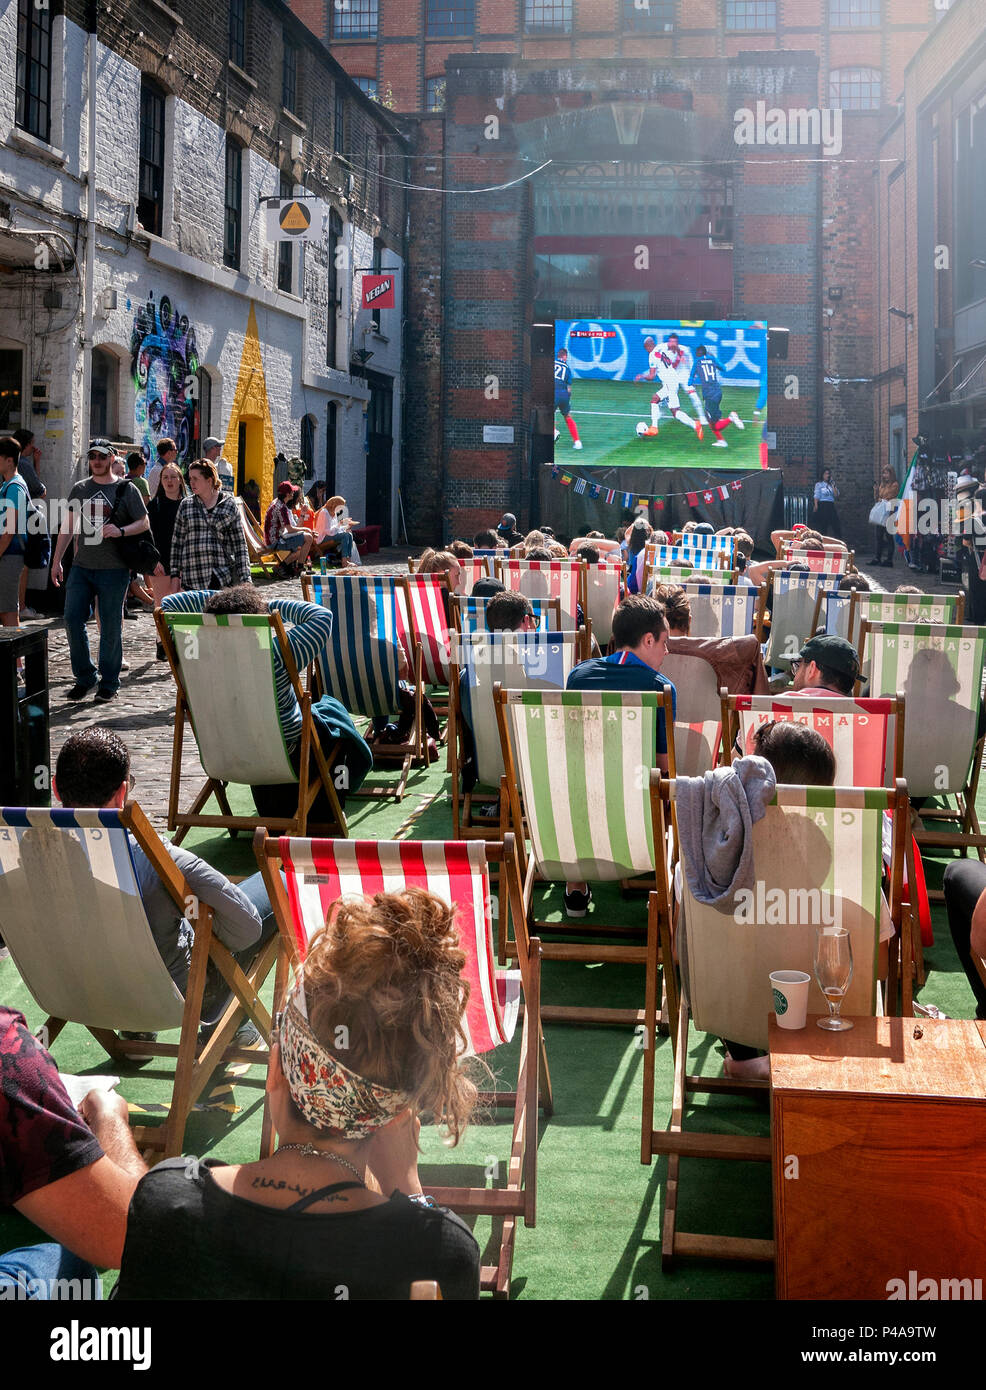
[
  {"x": 682, "y": 575},
  {"x": 74, "y": 920},
  {"x": 792, "y": 611},
  {"x": 726, "y": 610},
  {"x": 577, "y": 767},
  {"x": 939, "y": 669},
  {"x": 905, "y": 608},
  {"x": 223, "y": 665},
  {"x": 817, "y": 861}
]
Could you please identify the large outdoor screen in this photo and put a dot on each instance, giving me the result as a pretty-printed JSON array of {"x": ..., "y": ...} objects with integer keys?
[{"x": 660, "y": 393}]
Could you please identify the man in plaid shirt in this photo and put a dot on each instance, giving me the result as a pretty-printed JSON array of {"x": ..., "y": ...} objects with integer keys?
[{"x": 208, "y": 547}]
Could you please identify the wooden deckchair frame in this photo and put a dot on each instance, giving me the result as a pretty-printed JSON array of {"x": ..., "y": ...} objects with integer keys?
[
  {"x": 552, "y": 604},
  {"x": 821, "y": 581},
  {"x": 310, "y": 782},
  {"x": 730, "y": 719},
  {"x": 195, "y": 1064},
  {"x": 681, "y": 575},
  {"x": 802, "y": 553},
  {"x": 677, "y": 1142},
  {"x": 259, "y": 552},
  {"x": 759, "y": 606},
  {"x": 579, "y": 951},
  {"x": 820, "y": 598},
  {"x": 518, "y": 1198},
  {"x": 413, "y": 751}
]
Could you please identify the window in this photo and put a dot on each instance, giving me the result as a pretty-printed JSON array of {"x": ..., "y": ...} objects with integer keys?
[
  {"x": 308, "y": 424},
  {"x": 435, "y": 94},
  {"x": 289, "y": 77},
  {"x": 233, "y": 222},
  {"x": 356, "y": 19},
  {"x": 448, "y": 18},
  {"x": 33, "y": 108},
  {"x": 855, "y": 89},
  {"x": 331, "y": 415},
  {"x": 339, "y": 125},
  {"x": 237, "y": 32},
  {"x": 751, "y": 14},
  {"x": 851, "y": 14},
  {"x": 285, "y": 249},
  {"x": 548, "y": 16},
  {"x": 332, "y": 316},
  {"x": 368, "y": 85},
  {"x": 648, "y": 16},
  {"x": 150, "y": 173},
  {"x": 103, "y": 394}
]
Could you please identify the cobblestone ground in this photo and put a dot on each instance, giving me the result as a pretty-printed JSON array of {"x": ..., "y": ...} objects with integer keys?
[{"x": 143, "y": 712}]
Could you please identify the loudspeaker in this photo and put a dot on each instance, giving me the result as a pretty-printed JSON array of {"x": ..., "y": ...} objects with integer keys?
[{"x": 777, "y": 340}]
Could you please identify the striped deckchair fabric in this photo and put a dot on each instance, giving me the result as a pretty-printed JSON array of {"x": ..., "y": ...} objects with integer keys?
[
  {"x": 817, "y": 863},
  {"x": 473, "y": 569},
  {"x": 75, "y": 923},
  {"x": 560, "y": 579},
  {"x": 695, "y": 557},
  {"x": 866, "y": 736},
  {"x": 429, "y": 626},
  {"x": 833, "y": 612},
  {"x": 605, "y": 585},
  {"x": 360, "y": 665},
  {"x": 724, "y": 546},
  {"x": 821, "y": 561},
  {"x": 682, "y": 574},
  {"x": 792, "y": 610},
  {"x": 257, "y": 549},
  {"x": 698, "y": 714},
  {"x": 726, "y": 610},
  {"x": 939, "y": 669},
  {"x": 469, "y": 613},
  {"x": 318, "y": 873},
  {"x": 906, "y": 608}
]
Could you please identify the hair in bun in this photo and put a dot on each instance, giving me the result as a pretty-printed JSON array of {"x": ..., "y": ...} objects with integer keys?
[{"x": 677, "y": 608}]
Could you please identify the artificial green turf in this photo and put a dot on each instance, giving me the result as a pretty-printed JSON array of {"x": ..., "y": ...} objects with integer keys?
[
  {"x": 598, "y": 1210},
  {"x": 607, "y": 414}
]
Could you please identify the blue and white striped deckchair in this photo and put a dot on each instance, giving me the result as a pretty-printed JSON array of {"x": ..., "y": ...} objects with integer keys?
[
  {"x": 939, "y": 670},
  {"x": 361, "y": 665},
  {"x": 724, "y": 546},
  {"x": 833, "y": 612},
  {"x": 79, "y": 936},
  {"x": 682, "y": 574},
  {"x": 223, "y": 665},
  {"x": 577, "y": 764},
  {"x": 469, "y": 613},
  {"x": 792, "y": 610},
  {"x": 725, "y": 610},
  {"x": 658, "y": 556},
  {"x": 818, "y": 862}
]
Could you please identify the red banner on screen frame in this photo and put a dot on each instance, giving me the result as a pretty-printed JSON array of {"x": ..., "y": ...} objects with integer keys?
[{"x": 378, "y": 292}]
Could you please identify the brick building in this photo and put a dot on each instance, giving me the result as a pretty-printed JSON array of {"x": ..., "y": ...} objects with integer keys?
[{"x": 159, "y": 306}]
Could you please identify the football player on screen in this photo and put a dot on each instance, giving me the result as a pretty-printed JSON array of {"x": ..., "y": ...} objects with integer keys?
[
  {"x": 666, "y": 363},
  {"x": 563, "y": 395},
  {"x": 705, "y": 374}
]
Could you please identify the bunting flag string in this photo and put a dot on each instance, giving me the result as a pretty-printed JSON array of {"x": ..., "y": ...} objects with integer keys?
[{"x": 714, "y": 492}]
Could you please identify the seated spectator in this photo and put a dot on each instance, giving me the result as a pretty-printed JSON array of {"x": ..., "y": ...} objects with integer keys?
[
  {"x": 826, "y": 665},
  {"x": 334, "y": 531},
  {"x": 637, "y": 536},
  {"x": 281, "y": 533},
  {"x": 736, "y": 661},
  {"x": 532, "y": 541},
  {"x": 486, "y": 540},
  {"x": 857, "y": 581},
  {"x": 72, "y": 1172},
  {"x": 557, "y": 551},
  {"x": 909, "y": 589},
  {"x": 93, "y": 769},
  {"x": 965, "y": 900},
  {"x": 461, "y": 550},
  {"x": 507, "y": 529},
  {"x": 510, "y": 611},
  {"x": 303, "y": 1223},
  {"x": 302, "y": 511},
  {"x": 487, "y": 587},
  {"x": 640, "y": 639},
  {"x": 442, "y": 562},
  {"x": 588, "y": 553}
]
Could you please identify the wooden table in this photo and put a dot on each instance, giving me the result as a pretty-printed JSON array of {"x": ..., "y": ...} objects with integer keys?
[{"x": 879, "y": 1157}]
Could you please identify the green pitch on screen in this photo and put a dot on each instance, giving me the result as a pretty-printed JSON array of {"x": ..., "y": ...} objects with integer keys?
[{"x": 607, "y": 414}]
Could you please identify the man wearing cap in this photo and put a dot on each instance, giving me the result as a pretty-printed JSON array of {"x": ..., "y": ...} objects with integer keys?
[
  {"x": 98, "y": 570},
  {"x": 826, "y": 665},
  {"x": 212, "y": 449},
  {"x": 508, "y": 529}
]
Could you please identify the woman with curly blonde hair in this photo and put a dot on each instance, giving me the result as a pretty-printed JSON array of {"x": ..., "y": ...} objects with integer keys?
[{"x": 369, "y": 1038}]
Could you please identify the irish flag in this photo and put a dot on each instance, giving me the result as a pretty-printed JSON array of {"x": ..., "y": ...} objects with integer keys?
[{"x": 907, "y": 509}]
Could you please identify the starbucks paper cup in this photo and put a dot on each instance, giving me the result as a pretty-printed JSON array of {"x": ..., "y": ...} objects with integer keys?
[{"x": 790, "y": 995}]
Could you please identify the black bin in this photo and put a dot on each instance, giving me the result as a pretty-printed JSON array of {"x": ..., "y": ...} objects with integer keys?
[{"x": 25, "y": 768}]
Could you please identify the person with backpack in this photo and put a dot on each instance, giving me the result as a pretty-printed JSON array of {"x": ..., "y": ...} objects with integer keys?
[{"x": 14, "y": 499}]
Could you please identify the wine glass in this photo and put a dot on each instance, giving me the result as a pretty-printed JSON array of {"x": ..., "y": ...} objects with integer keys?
[{"x": 833, "y": 971}]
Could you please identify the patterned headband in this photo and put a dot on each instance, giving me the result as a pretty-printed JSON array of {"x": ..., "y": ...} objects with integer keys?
[{"x": 330, "y": 1096}]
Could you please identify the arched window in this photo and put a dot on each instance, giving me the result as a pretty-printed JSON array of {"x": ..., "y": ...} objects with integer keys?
[
  {"x": 308, "y": 426},
  {"x": 855, "y": 89}
]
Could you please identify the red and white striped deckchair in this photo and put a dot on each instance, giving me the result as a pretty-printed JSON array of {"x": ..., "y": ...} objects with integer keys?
[
  {"x": 429, "y": 625},
  {"x": 866, "y": 736},
  {"x": 473, "y": 570},
  {"x": 560, "y": 579},
  {"x": 821, "y": 561},
  {"x": 317, "y": 873}
]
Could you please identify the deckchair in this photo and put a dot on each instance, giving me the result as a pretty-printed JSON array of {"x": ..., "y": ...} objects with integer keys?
[
  {"x": 78, "y": 933},
  {"x": 224, "y": 670},
  {"x": 469, "y": 613},
  {"x": 516, "y": 661},
  {"x": 726, "y": 610},
  {"x": 692, "y": 540},
  {"x": 605, "y": 586},
  {"x": 905, "y": 608},
  {"x": 866, "y": 736},
  {"x": 833, "y": 612},
  {"x": 821, "y": 561},
  {"x": 683, "y": 574},
  {"x": 695, "y": 557},
  {"x": 792, "y": 608},
  {"x": 319, "y": 872},
  {"x": 361, "y": 665},
  {"x": 939, "y": 668},
  {"x": 821, "y": 847},
  {"x": 430, "y": 630},
  {"x": 576, "y": 779},
  {"x": 474, "y": 569},
  {"x": 696, "y": 725},
  {"x": 560, "y": 579},
  {"x": 258, "y": 551}
]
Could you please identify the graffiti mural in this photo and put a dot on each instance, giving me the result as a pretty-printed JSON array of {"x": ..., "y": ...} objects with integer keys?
[{"x": 164, "y": 361}]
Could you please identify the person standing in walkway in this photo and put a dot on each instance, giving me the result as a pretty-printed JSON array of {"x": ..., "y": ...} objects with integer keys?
[
  {"x": 13, "y": 521},
  {"x": 98, "y": 573},
  {"x": 824, "y": 516},
  {"x": 208, "y": 547},
  {"x": 212, "y": 450},
  {"x": 163, "y": 512}
]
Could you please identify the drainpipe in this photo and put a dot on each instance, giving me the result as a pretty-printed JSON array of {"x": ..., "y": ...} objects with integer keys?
[{"x": 90, "y": 266}]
